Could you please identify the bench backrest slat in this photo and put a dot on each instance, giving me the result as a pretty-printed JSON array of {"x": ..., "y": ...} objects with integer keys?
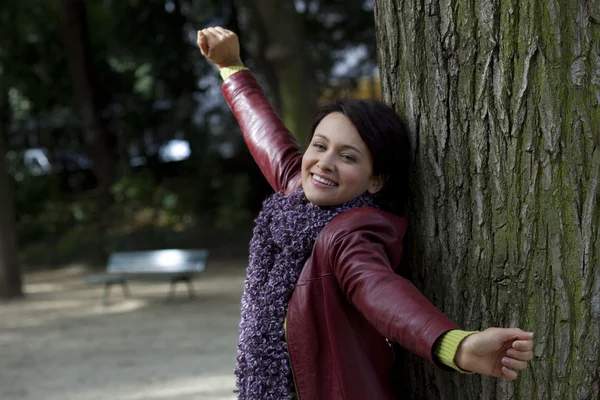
[{"x": 158, "y": 261}]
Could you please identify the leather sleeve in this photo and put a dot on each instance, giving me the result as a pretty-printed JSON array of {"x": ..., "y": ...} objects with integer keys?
[
  {"x": 273, "y": 147},
  {"x": 362, "y": 256}
]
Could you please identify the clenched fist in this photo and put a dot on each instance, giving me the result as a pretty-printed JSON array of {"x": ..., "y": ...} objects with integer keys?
[
  {"x": 220, "y": 46},
  {"x": 499, "y": 352}
]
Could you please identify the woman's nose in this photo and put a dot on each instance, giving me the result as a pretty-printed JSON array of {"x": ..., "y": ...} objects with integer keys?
[{"x": 325, "y": 163}]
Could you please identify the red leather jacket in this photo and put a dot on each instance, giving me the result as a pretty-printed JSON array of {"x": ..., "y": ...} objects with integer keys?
[{"x": 348, "y": 299}]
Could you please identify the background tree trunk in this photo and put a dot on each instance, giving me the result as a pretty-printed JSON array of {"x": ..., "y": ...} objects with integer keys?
[
  {"x": 503, "y": 103},
  {"x": 10, "y": 273},
  {"x": 258, "y": 44},
  {"x": 287, "y": 51},
  {"x": 98, "y": 139}
]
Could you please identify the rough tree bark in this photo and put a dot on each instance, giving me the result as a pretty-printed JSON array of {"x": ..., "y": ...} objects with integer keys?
[
  {"x": 98, "y": 138},
  {"x": 10, "y": 272},
  {"x": 503, "y": 103}
]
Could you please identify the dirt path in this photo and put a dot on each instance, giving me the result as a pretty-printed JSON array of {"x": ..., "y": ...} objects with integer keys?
[{"x": 61, "y": 344}]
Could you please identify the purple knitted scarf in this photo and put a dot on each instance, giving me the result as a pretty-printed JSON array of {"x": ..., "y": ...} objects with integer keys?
[{"x": 284, "y": 235}]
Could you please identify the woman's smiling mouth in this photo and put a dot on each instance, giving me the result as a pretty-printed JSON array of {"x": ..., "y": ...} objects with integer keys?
[{"x": 323, "y": 181}]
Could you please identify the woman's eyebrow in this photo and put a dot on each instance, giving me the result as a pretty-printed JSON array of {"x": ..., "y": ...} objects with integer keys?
[
  {"x": 345, "y": 146},
  {"x": 322, "y": 137}
]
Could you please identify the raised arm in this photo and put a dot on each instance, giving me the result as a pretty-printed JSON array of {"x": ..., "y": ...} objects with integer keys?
[{"x": 273, "y": 147}]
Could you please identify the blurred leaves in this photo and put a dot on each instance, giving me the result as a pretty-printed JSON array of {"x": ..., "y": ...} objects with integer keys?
[{"x": 155, "y": 87}]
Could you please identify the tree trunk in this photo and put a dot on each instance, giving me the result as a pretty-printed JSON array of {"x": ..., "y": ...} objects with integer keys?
[
  {"x": 503, "y": 104},
  {"x": 10, "y": 272},
  {"x": 97, "y": 137},
  {"x": 259, "y": 42},
  {"x": 287, "y": 51}
]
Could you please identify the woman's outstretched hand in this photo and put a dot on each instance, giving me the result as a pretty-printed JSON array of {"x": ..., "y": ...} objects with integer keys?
[
  {"x": 496, "y": 352},
  {"x": 220, "y": 46}
]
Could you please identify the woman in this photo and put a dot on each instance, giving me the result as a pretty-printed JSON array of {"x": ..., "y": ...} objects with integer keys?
[{"x": 321, "y": 296}]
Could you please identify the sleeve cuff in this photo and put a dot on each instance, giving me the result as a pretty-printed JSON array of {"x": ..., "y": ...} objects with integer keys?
[
  {"x": 447, "y": 345},
  {"x": 228, "y": 71}
]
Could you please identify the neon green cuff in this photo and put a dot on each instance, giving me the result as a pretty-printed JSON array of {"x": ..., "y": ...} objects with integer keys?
[
  {"x": 228, "y": 71},
  {"x": 447, "y": 345}
]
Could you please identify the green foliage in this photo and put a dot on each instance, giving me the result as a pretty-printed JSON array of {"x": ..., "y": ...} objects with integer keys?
[
  {"x": 232, "y": 198},
  {"x": 333, "y": 28},
  {"x": 154, "y": 86},
  {"x": 141, "y": 200},
  {"x": 35, "y": 199}
]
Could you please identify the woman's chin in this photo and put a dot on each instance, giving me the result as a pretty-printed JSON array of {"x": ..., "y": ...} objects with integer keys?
[
  {"x": 319, "y": 199},
  {"x": 322, "y": 197}
]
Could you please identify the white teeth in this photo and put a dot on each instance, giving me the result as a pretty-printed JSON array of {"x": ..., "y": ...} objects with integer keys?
[{"x": 323, "y": 180}]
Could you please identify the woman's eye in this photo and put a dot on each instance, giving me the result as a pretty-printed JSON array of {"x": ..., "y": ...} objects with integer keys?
[
  {"x": 348, "y": 157},
  {"x": 319, "y": 146}
]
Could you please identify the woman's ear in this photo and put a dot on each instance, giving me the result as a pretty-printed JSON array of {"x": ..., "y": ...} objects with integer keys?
[{"x": 377, "y": 182}]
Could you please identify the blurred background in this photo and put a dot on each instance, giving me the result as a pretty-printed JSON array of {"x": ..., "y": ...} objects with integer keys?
[{"x": 113, "y": 129}]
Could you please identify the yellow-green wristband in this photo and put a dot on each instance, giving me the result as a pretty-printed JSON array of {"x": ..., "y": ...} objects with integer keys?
[
  {"x": 228, "y": 71},
  {"x": 446, "y": 347}
]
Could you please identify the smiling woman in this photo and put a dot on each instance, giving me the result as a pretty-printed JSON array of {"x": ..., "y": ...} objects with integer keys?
[{"x": 321, "y": 296}]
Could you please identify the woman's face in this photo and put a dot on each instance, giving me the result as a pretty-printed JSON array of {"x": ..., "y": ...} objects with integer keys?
[{"x": 337, "y": 166}]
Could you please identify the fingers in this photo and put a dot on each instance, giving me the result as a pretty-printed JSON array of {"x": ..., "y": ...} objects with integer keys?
[
  {"x": 509, "y": 374},
  {"x": 514, "y": 364},
  {"x": 210, "y": 34},
  {"x": 515, "y": 334},
  {"x": 520, "y": 355},
  {"x": 222, "y": 31},
  {"x": 207, "y": 39},
  {"x": 202, "y": 43},
  {"x": 220, "y": 46},
  {"x": 216, "y": 32},
  {"x": 517, "y": 358},
  {"x": 523, "y": 345},
  {"x": 525, "y": 335}
]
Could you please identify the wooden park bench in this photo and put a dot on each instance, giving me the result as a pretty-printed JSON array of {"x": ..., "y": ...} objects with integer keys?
[{"x": 157, "y": 265}]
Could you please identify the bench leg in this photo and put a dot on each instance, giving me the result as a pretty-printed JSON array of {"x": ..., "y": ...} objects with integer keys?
[
  {"x": 190, "y": 288},
  {"x": 106, "y": 294},
  {"x": 172, "y": 291},
  {"x": 125, "y": 287},
  {"x": 174, "y": 284}
]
